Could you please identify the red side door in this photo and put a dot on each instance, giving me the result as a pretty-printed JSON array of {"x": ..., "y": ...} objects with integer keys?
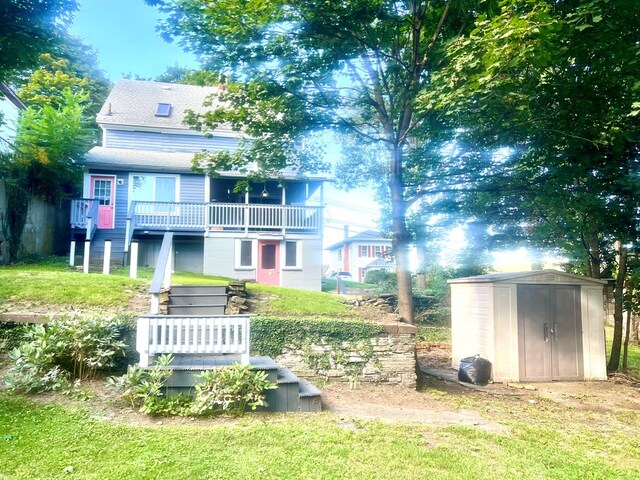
[
  {"x": 103, "y": 190},
  {"x": 269, "y": 262}
]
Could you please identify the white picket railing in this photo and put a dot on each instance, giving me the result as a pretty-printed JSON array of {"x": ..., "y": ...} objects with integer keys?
[
  {"x": 193, "y": 334},
  {"x": 169, "y": 215}
]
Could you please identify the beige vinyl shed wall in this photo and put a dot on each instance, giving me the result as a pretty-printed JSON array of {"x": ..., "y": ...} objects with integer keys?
[{"x": 484, "y": 320}]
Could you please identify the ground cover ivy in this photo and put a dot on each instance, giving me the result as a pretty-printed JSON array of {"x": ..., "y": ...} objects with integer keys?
[{"x": 350, "y": 341}]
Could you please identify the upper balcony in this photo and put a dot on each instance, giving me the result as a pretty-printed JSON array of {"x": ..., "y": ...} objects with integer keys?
[{"x": 204, "y": 217}]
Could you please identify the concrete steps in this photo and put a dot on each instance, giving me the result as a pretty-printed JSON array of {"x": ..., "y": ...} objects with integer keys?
[
  {"x": 197, "y": 300},
  {"x": 291, "y": 395}
]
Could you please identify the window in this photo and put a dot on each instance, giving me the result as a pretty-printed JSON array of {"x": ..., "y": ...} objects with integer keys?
[
  {"x": 155, "y": 188},
  {"x": 378, "y": 250},
  {"x": 245, "y": 254},
  {"x": 340, "y": 255},
  {"x": 292, "y": 254},
  {"x": 163, "y": 110},
  {"x": 362, "y": 251}
]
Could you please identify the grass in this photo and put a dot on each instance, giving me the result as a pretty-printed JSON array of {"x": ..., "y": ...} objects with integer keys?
[
  {"x": 331, "y": 285},
  {"x": 633, "y": 353},
  {"x": 309, "y": 446},
  {"x": 54, "y": 283}
]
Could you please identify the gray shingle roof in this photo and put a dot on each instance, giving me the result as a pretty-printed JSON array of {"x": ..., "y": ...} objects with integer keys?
[
  {"x": 155, "y": 160},
  {"x": 134, "y": 102}
]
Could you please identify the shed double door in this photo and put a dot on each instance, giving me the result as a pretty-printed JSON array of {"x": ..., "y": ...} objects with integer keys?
[{"x": 550, "y": 338}]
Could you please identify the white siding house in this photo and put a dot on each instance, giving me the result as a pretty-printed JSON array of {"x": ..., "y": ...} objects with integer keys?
[{"x": 360, "y": 253}]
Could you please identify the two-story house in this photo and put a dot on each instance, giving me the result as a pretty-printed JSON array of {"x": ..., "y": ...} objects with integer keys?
[
  {"x": 140, "y": 184},
  {"x": 360, "y": 253}
]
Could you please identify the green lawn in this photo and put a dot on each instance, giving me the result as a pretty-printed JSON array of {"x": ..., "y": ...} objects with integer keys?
[
  {"x": 53, "y": 283},
  {"x": 46, "y": 441}
]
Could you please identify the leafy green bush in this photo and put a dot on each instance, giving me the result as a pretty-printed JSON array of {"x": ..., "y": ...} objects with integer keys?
[
  {"x": 231, "y": 389},
  {"x": 53, "y": 353},
  {"x": 382, "y": 278},
  {"x": 11, "y": 335},
  {"x": 144, "y": 388}
]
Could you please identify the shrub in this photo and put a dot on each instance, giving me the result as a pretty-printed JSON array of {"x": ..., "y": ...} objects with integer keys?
[
  {"x": 143, "y": 388},
  {"x": 53, "y": 353},
  {"x": 231, "y": 389},
  {"x": 11, "y": 335}
]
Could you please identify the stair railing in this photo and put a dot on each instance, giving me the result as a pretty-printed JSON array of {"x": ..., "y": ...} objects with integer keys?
[
  {"x": 193, "y": 334},
  {"x": 162, "y": 274}
]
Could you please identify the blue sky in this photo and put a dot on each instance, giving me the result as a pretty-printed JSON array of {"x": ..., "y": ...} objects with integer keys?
[{"x": 123, "y": 32}]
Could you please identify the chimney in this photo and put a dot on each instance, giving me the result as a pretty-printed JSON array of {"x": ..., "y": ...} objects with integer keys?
[{"x": 346, "y": 232}]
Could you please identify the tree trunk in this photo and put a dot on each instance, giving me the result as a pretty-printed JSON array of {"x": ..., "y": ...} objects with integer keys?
[
  {"x": 400, "y": 237},
  {"x": 635, "y": 326},
  {"x": 616, "y": 345},
  {"x": 625, "y": 349}
]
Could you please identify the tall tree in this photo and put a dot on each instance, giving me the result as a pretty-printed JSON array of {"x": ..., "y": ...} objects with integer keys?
[
  {"x": 28, "y": 29},
  {"x": 556, "y": 81},
  {"x": 300, "y": 68}
]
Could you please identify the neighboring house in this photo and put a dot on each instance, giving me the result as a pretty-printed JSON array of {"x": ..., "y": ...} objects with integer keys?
[
  {"x": 360, "y": 253},
  {"x": 10, "y": 107},
  {"x": 140, "y": 184}
]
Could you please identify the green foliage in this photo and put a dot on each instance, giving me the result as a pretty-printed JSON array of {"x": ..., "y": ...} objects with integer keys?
[
  {"x": 52, "y": 143},
  {"x": 29, "y": 29},
  {"x": 68, "y": 348},
  {"x": 144, "y": 387},
  {"x": 11, "y": 335},
  {"x": 270, "y": 335},
  {"x": 231, "y": 389},
  {"x": 386, "y": 281}
]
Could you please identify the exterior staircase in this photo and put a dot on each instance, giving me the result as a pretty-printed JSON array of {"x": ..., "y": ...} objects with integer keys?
[
  {"x": 291, "y": 395},
  {"x": 197, "y": 300}
]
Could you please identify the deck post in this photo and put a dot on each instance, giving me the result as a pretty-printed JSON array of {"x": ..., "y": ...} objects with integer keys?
[
  {"x": 72, "y": 253},
  {"x": 168, "y": 268},
  {"x": 133, "y": 260},
  {"x": 142, "y": 341},
  {"x": 106, "y": 260},
  {"x": 85, "y": 259}
]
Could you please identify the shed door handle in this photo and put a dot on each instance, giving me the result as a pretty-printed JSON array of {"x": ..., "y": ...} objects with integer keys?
[{"x": 546, "y": 332}]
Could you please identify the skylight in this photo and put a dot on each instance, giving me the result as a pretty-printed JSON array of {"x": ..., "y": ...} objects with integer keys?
[{"x": 163, "y": 110}]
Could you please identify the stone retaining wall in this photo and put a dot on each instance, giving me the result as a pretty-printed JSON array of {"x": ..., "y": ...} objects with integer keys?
[{"x": 393, "y": 359}]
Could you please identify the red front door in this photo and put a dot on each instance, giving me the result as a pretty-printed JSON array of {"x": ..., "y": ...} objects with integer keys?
[
  {"x": 269, "y": 262},
  {"x": 103, "y": 190}
]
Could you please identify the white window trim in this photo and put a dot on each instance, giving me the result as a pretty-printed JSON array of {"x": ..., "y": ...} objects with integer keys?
[
  {"x": 283, "y": 248},
  {"x": 237, "y": 251},
  {"x": 155, "y": 175}
]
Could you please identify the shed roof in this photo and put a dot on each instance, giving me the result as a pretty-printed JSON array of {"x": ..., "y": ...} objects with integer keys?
[
  {"x": 537, "y": 276},
  {"x": 134, "y": 103}
]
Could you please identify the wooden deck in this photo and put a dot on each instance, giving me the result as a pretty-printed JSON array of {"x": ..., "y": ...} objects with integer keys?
[{"x": 208, "y": 362}]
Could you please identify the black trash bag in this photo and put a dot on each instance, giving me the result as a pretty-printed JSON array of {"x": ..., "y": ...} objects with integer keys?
[{"x": 476, "y": 370}]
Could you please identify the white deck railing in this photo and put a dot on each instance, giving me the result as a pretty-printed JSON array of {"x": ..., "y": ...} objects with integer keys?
[{"x": 193, "y": 334}]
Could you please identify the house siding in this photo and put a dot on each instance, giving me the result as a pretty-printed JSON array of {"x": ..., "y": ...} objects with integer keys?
[
  {"x": 192, "y": 188},
  {"x": 171, "y": 142},
  {"x": 219, "y": 259},
  {"x": 309, "y": 277}
]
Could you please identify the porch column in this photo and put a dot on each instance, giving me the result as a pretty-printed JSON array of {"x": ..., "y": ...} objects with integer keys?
[
  {"x": 72, "y": 253},
  {"x": 133, "y": 260},
  {"x": 106, "y": 260},
  {"x": 246, "y": 213},
  {"x": 85, "y": 259}
]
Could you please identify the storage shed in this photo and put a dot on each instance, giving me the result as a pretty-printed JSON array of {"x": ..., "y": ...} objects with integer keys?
[{"x": 533, "y": 326}]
